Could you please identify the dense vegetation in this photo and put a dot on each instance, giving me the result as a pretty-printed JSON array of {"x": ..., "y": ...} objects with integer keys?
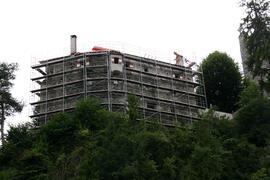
[
  {"x": 222, "y": 81},
  {"x": 91, "y": 143}
]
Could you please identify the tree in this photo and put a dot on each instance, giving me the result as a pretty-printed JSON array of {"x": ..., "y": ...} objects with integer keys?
[
  {"x": 222, "y": 81},
  {"x": 8, "y": 104},
  {"x": 97, "y": 144},
  {"x": 253, "y": 121},
  {"x": 250, "y": 92},
  {"x": 255, "y": 30}
]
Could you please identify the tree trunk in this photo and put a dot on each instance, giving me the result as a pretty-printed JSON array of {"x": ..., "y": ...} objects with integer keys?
[{"x": 2, "y": 123}]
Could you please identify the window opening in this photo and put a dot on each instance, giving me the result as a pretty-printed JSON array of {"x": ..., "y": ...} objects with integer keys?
[
  {"x": 116, "y": 60},
  {"x": 87, "y": 62},
  {"x": 145, "y": 69},
  {"x": 79, "y": 64},
  {"x": 178, "y": 75},
  {"x": 151, "y": 105},
  {"x": 129, "y": 65}
]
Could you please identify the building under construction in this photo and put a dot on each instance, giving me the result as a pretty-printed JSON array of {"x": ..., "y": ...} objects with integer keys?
[{"x": 168, "y": 92}]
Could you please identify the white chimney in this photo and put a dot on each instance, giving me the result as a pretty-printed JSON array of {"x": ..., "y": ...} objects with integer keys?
[{"x": 73, "y": 44}]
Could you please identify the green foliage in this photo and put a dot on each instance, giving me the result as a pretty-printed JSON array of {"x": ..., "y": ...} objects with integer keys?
[
  {"x": 60, "y": 131},
  {"x": 88, "y": 114},
  {"x": 255, "y": 29},
  {"x": 133, "y": 104},
  {"x": 33, "y": 165},
  {"x": 8, "y": 174},
  {"x": 253, "y": 121},
  {"x": 207, "y": 158},
  {"x": 260, "y": 175},
  {"x": 7, "y": 75},
  {"x": 205, "y": 163},
  {"x": 222, "y": 81},
  {"x": 8, "y": 104},
  {"x": 246, "y": 157},
  {"x": 91, "y": 143},
  {"x": 251, "y": 92},
  {"x": 18, "y": 139}
]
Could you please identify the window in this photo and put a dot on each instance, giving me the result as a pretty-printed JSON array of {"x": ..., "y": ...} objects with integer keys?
[
  {"x": 87, "y": 62},
  {"x": 145, "y": 69},
  {"x": 116, "y": 60},
  {"x": 129, "y": 65},
  {"x": 178, "y": 75},
  {"x": 79, "y": 64},
  {"x": 151, "y": 105},
  {"x": 51, "y": 70}
]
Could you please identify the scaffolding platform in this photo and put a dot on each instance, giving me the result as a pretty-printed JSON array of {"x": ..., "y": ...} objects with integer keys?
[{"x": 168, "y": 92}]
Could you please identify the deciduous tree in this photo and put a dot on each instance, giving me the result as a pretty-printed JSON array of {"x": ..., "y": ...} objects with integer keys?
[
  {"x": 222, "y": 81},
  {"x": 253, "y": 121}
]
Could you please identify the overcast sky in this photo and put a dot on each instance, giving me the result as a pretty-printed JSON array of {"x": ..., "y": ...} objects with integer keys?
[{"x": 33, "y": 30}]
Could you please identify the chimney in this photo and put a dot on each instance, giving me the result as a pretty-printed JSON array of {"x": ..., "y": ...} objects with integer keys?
[{"x": 73, "y": 44}]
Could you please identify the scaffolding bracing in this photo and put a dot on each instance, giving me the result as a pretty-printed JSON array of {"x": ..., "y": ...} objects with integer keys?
[{"x": 168, "y": 92}]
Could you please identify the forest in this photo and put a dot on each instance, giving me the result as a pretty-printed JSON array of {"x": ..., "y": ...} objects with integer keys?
[{"x": 92, "y": 143}]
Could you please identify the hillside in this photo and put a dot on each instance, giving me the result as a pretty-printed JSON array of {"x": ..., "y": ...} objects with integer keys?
[{"x": 92, "y": 143}]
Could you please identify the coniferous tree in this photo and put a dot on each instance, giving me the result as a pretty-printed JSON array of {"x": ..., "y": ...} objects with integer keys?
[
  {"x": 255, "y": 29},
  {"x": 8, "y": 104}
]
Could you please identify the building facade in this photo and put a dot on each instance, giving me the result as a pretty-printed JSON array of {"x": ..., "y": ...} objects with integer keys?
[{"x": 168, "y": 92}]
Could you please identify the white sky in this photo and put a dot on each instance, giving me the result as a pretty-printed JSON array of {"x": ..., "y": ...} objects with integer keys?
[{"x": 32, "y": 30}]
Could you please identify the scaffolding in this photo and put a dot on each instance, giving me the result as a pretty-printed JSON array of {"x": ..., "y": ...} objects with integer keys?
[{"x": 168, "y": 92}]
